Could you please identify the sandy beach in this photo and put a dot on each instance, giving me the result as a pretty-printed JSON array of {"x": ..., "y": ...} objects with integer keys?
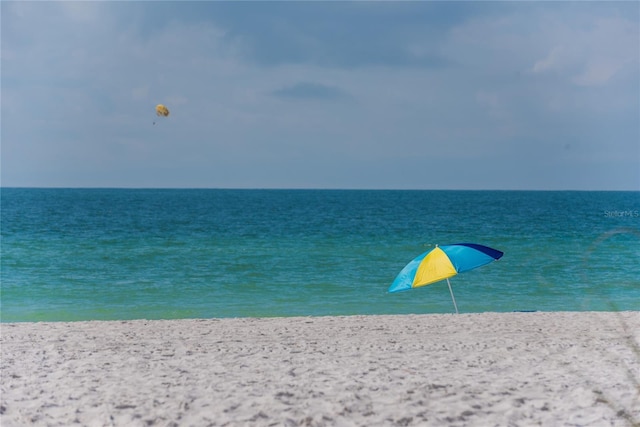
[{"x": 492, "y": 369}]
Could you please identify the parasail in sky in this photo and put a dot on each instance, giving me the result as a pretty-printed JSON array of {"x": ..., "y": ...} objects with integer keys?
[{"x": 162, "y": 111}]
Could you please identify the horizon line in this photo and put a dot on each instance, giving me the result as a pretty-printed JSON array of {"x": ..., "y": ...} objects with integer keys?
[{"x": 2, "y": 187}]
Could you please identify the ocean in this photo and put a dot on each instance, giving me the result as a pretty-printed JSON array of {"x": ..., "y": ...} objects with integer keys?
[{"x": 115, "y": 254}]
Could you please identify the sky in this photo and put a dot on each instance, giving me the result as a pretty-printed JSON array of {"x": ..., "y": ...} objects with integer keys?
[{"x": 354, "y": 95}]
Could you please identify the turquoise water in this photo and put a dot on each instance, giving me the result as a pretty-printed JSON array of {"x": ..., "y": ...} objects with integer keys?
[{"x": 81, "y": 254}]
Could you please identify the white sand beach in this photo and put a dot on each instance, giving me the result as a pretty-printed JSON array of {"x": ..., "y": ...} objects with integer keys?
[{"x": 492, "y": 369}]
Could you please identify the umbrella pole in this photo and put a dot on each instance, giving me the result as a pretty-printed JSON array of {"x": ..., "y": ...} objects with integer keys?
[{"x": 452, "y": 298}]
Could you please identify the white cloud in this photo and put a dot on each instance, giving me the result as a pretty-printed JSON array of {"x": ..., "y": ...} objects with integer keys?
[
  {"x": 550, "y": 62},
  {"x": 591, "y": 53},
  {"x": 598, "y": 71}
]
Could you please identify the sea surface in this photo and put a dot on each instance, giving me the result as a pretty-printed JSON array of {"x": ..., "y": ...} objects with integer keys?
[{"x": 98, "y": 254}]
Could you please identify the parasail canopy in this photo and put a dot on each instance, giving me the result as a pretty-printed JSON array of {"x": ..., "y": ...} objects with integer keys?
[{"x": 162, "y": 111}]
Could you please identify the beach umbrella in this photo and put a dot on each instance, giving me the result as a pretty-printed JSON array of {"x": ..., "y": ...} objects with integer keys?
[{"x": 443, "y": 262}]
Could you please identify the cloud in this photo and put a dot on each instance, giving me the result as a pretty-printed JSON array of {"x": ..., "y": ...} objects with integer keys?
[
  {"x": 338, "y": 34},
  {"x": 399, "y": 94},
  {"x": 550, "y": 62},
  {"x": 598, "y": 72},
  {"x": 309, "y": 90},
  {"x": 591, "y": 53}
]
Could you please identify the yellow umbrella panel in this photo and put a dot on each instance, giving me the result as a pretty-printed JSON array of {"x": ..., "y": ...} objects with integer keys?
[{"x": 434, "y": 267}]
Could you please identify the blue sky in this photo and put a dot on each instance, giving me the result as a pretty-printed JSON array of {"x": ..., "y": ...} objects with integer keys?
[{"x": 385, "y": 95}]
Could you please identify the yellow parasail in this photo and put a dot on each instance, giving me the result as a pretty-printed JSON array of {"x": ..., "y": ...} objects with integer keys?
[{"x": 162, "y": 111}]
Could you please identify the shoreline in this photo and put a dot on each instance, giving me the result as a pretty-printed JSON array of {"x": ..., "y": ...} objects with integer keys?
[{"x": 516, "y": 368}]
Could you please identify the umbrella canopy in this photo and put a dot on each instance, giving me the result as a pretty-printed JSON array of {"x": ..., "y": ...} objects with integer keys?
[{"x": 441, "y": 263}]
